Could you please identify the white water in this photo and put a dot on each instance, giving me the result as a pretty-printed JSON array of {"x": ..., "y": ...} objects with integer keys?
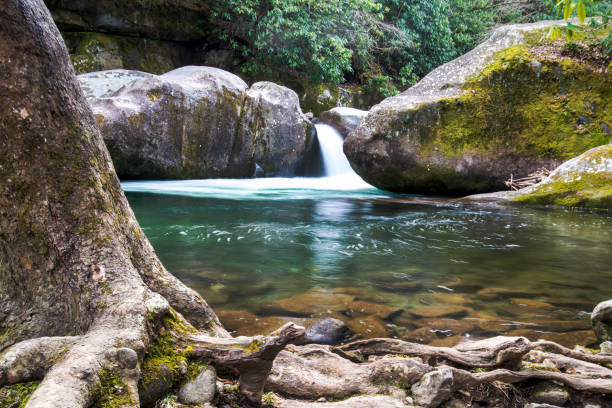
[
  {"x": 334, "y": 160},
  {"x": 340, "y": 179}
]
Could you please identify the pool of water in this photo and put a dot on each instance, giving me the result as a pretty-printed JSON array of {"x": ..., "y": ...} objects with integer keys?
[{"x": 266, "y": 251}]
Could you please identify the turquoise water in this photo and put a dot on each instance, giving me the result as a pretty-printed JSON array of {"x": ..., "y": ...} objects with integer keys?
[{"x": 246, "y": 243}]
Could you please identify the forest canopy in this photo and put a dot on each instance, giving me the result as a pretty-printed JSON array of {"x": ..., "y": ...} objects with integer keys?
[{"x": 380, "y": 43}]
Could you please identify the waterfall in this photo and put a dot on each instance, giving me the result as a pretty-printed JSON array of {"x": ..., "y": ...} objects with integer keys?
[{"x": 334, "y": 160}]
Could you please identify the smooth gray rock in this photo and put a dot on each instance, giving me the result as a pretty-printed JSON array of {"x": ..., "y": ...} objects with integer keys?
[
  {"x": 197, "y": 122},
  {"x": 154, "y": 389},
  {"x": 200, "y": 390},
  {"x": 328, "y": 331},
  {"x": 127, "y": 357},
  {"x": 606, "y": 347},
  {"x": 434, "y": 388},
  {"x": 344, "y": 120},
  {"x": 601, "y": 318}
]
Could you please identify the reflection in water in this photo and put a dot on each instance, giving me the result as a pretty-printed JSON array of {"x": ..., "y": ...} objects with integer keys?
[{"x": 516, "y": 265}]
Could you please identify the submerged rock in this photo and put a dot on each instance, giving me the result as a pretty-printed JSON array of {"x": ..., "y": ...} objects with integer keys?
[
  {"x": 471, "y": 123},
  {"x": 197, "y": 122}
]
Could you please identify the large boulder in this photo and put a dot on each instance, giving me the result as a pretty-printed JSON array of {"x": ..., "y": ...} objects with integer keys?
[
  {"x": 510, "y": 106},
  {"x": 584, "y": 181},
  {"x": 196, "y": 122}
]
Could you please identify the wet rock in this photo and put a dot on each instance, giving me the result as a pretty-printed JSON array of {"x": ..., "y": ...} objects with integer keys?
[
  {"x": 560, "y": 325},
  {"x": 550, "y": 393},
  {"x": 265, "y": 325},
  {"x": 571, "y": 339},
  {"x": 234, "y": 319},
  {"x": 454, "y": 326},
  {"x": 583, "y": 304},
  {"x": 439, "y": 311},
  {"x": 315, "y": 302},
  {"x": 447, "y": 298},
  {"x": 368, "y": 327},
  {"x": 601, "y": 319},
  {"x": 537, "y": 405},
  {"x": 424, "y": 335},
  {"x": 201, "y": 389},
  {"x": 328, "y": 331},
  {"x": 497, "y": 326},
  {"x": 361, "y": 308},
  {"x": 344, "y": 120},
  {"x": 496, "y": 293},
  {"x": 434, "y": 388},
  {"x": 535, "y": 304},
  {"x": 450, "y": 341},
  {"x": 402, "y": 286}
]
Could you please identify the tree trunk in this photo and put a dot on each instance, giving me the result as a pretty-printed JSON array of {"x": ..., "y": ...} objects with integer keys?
[{"x": 77, "y": 275}]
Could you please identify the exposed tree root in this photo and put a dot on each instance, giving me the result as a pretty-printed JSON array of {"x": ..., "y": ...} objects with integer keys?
[
  {"x": 495, "y": 352},
  {"x": 252, "y": 357}
]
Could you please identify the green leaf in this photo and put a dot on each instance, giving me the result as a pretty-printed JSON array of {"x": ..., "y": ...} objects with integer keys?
[
  {"x": 567, "y": 10},
  {"x": 581, "y": 11}
]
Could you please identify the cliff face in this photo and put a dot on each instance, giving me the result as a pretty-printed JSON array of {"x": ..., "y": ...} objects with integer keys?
[
  {"x": 511, "y": 106},
  {"x": 154, "y": 36}
]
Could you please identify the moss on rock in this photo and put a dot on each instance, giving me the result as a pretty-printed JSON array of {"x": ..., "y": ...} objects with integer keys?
[
  {"x": 17, "y": 395},
  {"x": 516, "y": 112}
]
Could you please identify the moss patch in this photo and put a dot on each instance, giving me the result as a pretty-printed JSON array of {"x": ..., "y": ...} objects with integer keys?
[
  {"x": 17, "y": 395},
  {"x": 112, "y": 392}
]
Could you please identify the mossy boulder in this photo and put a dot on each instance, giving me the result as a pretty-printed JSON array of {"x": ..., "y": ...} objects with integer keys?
[
  {"x": 584, "y": 181},
  {"x": 508, "y": 107},
  {"x": 196, "y": 122}
]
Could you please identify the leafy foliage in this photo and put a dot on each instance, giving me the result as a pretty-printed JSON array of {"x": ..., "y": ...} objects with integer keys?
[{"x": 383, "y": 44}]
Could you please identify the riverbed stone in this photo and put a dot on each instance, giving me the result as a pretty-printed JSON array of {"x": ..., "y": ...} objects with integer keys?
[
  {"x": 368, "y": 327},
  {"x": 439, "y": 311},
  {"x": 572, "y": 338},
  {"x": 328, "y": 331},
  {"x": 234, "y": 319},
  {"x": 316, "y": 302},
  {"x": 362, "y": 308},
  {"x": 401, "y": 286},
  {"x": 423, "y": 335},
  {"x": 531, "y": 303},
  {"x": 601, "y": 319},
  {"x": 434, "y": 388},
  {"x": 454, "y": 326},
  {"x": 550, "y": 393},
  {"x": 201, "y": 389}
]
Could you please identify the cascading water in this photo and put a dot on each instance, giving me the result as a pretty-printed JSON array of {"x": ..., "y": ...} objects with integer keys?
[
  {"x": 334, "y": 160},
  {"x": 339, "y": 180}
]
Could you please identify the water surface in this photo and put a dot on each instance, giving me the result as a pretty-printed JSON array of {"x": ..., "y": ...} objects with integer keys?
[{"x": 447, "y": 271}]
